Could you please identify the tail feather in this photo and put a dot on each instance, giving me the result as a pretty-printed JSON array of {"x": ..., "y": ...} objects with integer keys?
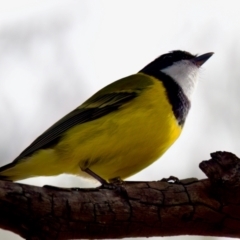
[
  {"x": 43, "y": 163},
  {"x": 5, "y": 172}
]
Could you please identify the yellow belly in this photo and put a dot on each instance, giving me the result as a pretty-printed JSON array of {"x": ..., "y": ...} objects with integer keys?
[
  {"x": 126, "y": 141},
  {"x": 119, "y": 144}
]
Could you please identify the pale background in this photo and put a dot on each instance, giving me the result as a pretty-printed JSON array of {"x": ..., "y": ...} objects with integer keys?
[{"x": 55, "y": 54}]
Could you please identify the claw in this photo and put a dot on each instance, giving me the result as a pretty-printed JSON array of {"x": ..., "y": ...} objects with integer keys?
[{"x": 116, "y": 186}]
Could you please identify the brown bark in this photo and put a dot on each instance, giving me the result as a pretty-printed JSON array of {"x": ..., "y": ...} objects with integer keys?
[{"x": 208, "y": 207}]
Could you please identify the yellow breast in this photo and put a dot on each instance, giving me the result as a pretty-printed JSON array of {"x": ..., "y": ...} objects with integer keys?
[
  {"x": 125, "y": 141},
  {"x": 119, "y": 144}
]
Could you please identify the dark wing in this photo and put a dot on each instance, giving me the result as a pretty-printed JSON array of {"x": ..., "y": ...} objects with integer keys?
[{"x": 94, "y": 108}]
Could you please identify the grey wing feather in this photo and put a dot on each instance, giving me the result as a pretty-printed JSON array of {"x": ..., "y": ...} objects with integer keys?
[{"x": 92, "y": 110}]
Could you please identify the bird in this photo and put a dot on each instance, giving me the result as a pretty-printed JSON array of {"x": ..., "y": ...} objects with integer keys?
[{"x": 121, "y": 129}]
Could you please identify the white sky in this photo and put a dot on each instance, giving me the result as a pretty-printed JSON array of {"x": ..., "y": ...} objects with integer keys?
[{"x": 55, "y": 54}]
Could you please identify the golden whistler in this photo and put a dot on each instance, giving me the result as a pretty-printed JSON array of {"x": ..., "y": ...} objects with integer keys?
[{"x": 121, "y": 129}]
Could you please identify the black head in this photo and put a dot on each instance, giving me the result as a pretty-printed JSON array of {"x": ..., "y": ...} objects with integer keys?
[
  {"x": 178, "y": 71},
  {"x": 167, "y": 60}
]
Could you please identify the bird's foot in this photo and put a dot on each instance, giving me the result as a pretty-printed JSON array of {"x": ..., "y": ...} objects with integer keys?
[
  {"x": 113, "y": 184},
  {"x": 116, "y": 184}
]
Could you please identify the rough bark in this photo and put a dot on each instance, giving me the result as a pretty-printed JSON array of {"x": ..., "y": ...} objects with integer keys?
[{"x": 208, "y": 207}]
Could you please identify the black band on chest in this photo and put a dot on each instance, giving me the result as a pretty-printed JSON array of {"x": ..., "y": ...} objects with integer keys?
[{"x": 179, "y": 101}]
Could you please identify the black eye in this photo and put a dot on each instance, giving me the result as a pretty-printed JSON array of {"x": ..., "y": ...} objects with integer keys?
[
  {"x": 167, "y": 57},
  {"x": 166, "y": 60}
]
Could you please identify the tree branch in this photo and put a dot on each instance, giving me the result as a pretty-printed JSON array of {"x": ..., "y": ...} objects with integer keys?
[{"x": 208, "y": 207}]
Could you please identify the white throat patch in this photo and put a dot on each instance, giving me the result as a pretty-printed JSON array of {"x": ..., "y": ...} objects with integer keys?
[{"x": 185, "y": 74}]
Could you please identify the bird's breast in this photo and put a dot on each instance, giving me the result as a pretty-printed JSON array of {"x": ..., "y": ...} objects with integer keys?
[{"x": 129, "y": 139}]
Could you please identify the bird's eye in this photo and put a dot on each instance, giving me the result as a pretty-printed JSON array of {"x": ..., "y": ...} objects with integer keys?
[{"x": 167, "y": 58}]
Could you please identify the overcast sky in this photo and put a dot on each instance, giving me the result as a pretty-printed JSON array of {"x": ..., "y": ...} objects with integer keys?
[{"x": 56, "y": 54}]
